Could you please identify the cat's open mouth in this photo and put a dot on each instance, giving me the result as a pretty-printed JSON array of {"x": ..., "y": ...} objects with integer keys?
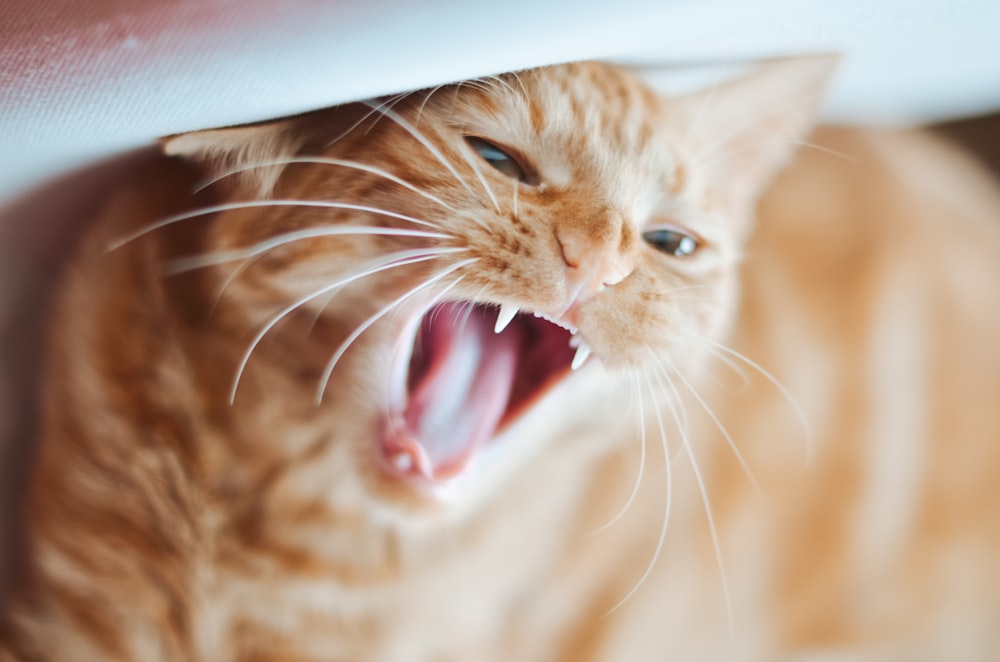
[{"x": 460, "y": 377}]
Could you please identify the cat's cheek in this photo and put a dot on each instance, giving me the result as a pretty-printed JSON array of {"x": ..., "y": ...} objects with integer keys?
[{"x": 621, "y": 326}]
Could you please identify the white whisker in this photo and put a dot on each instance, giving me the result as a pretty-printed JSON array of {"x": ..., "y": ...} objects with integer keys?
[
  {"x": 324, "y": 301},
  {"x": 749, "y": 147},
  {"x": 477, "y": 85},
  {"x": 520, "y": 83},
  {"x": 642, "y": 464},
  {"x": 715, "y": 419},
  {"x": 321, "y": 160},
  {"x": 250, "y": 204},
  {"x": 479, "y": 176},
  {"x": 423, "y": 103},
  {"x": 825, "y": 150},
  {"x": 391, "y": 101},
  {"x": 732, "y": 365},
  {"x": 190, "y": 263},
  {"x": 666, "y": 507},
  {"x": 422, "y": 139},
  {"x": 799, "y": 413},
  {"x": 325, "y": 378},
  {"x": 686, "y": 444},
  {"x": 500, "y": 81},
  {"x": 391, "y": 263},
  {"x": 711, "y": 148}
]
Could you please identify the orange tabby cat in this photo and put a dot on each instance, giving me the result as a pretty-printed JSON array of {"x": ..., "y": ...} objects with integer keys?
[{"x": 310, "y": 414}]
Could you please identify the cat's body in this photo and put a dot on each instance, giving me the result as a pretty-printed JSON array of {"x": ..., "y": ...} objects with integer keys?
[{"x": 166, "y": 523}]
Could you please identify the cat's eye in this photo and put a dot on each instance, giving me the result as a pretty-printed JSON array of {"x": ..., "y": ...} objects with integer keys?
[
  {"x": 497, "y": 158},
  {"x": 672, "y": 241}
]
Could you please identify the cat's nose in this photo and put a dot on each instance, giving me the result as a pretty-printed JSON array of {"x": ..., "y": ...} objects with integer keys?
[{"x": 597, "y": 253}]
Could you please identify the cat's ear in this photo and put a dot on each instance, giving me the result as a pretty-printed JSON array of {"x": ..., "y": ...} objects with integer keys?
[
  {"x": 740, "y": 133},
  {"x": 249, "y": 158}
]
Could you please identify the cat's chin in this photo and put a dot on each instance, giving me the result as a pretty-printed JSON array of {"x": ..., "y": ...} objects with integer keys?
[{"x": 462, "y": 375}]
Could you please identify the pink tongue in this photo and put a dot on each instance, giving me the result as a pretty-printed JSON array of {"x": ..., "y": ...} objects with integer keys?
[{"x": 456, "y": 405}]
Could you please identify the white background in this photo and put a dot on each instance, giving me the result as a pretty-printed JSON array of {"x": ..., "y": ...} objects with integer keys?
[{"x": 74, "y": 88}]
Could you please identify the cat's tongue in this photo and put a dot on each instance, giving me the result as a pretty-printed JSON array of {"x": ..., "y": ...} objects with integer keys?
[{"x": 459, "y": 387}]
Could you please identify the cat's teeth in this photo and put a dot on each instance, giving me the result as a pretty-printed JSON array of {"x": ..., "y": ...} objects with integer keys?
[
  {"x": 582, "y": 353},
  {"x": 507, "y": 312},
  {"x": 569, "y": 327},
  {"x": 575, "y": 340}
]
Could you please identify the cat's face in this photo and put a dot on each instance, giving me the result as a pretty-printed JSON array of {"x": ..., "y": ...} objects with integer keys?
[{"x": 548, "y": 243}]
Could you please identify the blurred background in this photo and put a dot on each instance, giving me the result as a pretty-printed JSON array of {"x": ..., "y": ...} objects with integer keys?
[{"x": 87, "y": 87}]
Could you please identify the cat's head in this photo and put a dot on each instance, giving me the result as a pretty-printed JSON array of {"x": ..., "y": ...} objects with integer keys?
[{"x": 497, "y": 263}]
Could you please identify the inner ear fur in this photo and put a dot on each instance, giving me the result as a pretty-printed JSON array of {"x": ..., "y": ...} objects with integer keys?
[
  {"x": 741, "y": 132},
  {"x": 248, "y": 158}
]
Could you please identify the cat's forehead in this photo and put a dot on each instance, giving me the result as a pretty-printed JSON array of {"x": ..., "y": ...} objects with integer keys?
[{"x": 581, "y": 121}]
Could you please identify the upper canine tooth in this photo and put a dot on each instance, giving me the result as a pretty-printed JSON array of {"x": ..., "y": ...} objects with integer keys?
[
  {"x": 582, "y": 353},
  {"x": 506, "y": 314},
  {"x": 575, "y": 340}
]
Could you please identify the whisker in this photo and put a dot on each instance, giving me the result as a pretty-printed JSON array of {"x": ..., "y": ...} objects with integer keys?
[
  {"x": 692, "y": 286},
  {"x": 399, "y": 255},
  {"x": 354, "y": 126},
  {"x": 322, "y": 160},
  {"x": 427, "y": 97},
  {"x": 709, "y": 151},
  {"x": 391, "y": 101},
  {"x": 409, "y": 128},
  {"x": 251, "y": 204},
  {"x": 193, "y": 262},
  {"x": 824, "y": 149},
  {"x": 719, "y": 157},
  {"x": 682, "y": 420},
  {"x": 323, "y": 303},
  {"x": 711, "y": 148},
  {"x": 792, "y": 402},
  {"x": 516, "y": 188},
  {"x": 479, "y": 176},
  {"x": 477, "y": 85},
  {"x": 500, "y": 81},
  {"x": 715, "y": 419},
  {"x": 520, "y": 83},
  {"x": 642, "y": 464},
  {"x": 666, "y": 507},
  {"x": 686, "y": 444},
  {"x": 731, "y": 364},
  {"x": 390, "y": 263},
  {"x": 325, "y": 378}
]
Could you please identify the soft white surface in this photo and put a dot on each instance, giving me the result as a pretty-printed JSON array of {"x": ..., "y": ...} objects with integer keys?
[{"x": 905, "y": 61}]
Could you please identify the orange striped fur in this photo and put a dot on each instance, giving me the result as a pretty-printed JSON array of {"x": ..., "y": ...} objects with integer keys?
[{"x": 167, "y": 522}]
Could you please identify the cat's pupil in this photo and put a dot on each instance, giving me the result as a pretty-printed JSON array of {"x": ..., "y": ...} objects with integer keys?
[
  {"x": 672, "y": 242},
  {"x": 497, "y": 158}
]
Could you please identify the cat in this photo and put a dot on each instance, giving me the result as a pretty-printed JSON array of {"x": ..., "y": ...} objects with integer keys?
[{"x": 541, "y": 366}]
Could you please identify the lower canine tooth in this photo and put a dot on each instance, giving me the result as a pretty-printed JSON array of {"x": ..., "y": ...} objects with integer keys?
[
  {"x": 507, "y": 312},
  {"x": 582, "y": 353},
  {"x": 574, "y": 341}
]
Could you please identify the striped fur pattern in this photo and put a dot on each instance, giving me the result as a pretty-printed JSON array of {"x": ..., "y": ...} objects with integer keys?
[{"x": 784, "y": 445}]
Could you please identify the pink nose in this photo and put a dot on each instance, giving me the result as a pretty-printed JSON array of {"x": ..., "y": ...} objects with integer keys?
[{"x": 594, "y": 260}]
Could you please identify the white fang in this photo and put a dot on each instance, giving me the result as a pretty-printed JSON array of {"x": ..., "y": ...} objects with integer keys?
[
  {"x": 582, "y": 353},
  {"x": 507, "y": 312}
]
